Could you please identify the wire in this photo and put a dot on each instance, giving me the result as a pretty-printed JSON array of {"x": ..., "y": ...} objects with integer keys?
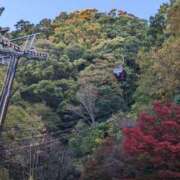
[
  {"x": 24, "y": 130},
  {"x": 41, "y": 136},
  {"x": 47, "y": 144},
  {"x": 31, "y": 145}
]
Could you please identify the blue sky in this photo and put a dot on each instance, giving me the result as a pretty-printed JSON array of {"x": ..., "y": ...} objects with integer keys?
[{"x": 35, "y": 10}]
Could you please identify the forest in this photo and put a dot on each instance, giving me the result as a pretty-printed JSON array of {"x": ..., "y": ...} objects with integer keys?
[{"x": 71, "y": 118}]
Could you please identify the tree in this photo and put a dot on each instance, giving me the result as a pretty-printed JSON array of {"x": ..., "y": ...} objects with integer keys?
[
  {"x": 74, "y": 51},
  {"x": 86, "y": 96},
  {"x": 109, "y": 162},
  {"x": 47, "y": 159},
  {"x": 110, "y": 98},
  {"x": 174, "y": 18},
  {"x": 155, "y": 141},
  {"x": 159, "y": 78},
  {"x": 51, "y": 92},
  {"x": 44, "y": 26},
  {"x": 149, "y": 149},
  {"x": 23, "y": 25},
  {"x": 23, "y": 28},
  {"x": 76, "y": 83},
  {"x": 156, "y": 32},
  {"x": 85, "y": 140}
]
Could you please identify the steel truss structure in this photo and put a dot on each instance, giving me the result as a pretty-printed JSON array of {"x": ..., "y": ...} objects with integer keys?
[{"x": 10, "y": 53}]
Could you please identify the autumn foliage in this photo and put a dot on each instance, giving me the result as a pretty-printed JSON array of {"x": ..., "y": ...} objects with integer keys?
[
  {"x": 156, "y": 139},
  {"x": 149, "y": 150}
]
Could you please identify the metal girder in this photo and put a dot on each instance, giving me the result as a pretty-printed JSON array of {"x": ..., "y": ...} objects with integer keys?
[
  {"x": 8, "y": 47},
  {"x": 28, "y": 53},
  {"x": 6, "y": 91},
  {"x": 4, "y": 60},
  {"x": 9, "y": 55}
]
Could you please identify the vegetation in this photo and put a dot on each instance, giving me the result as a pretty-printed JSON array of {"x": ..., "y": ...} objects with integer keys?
[
  {"x": 148, "y": 150},
  {"x": 70, "y": 117}
]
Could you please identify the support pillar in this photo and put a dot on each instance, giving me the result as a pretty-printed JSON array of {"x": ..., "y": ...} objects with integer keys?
[{"x": 6, "y": 90}]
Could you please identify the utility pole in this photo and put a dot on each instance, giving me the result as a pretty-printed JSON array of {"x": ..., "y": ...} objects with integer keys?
[{"x": 10, "y": 53}]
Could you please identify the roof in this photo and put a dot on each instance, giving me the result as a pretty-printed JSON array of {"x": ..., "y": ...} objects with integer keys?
[{"x": 117, "y": 70}]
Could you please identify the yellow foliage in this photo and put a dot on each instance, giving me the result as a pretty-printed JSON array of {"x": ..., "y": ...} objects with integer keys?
[
  {"x": 98, "y": 141},
  {"x": 87, "y": 14},
  {"x": 174, "y": 18},
  {"x": 160, "y": 77}
]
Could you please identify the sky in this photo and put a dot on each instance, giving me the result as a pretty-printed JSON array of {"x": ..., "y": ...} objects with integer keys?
[{"x": 35, "y": 10}]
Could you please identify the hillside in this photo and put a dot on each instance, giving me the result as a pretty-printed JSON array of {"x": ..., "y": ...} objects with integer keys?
[{"x": 74, "y": 107}]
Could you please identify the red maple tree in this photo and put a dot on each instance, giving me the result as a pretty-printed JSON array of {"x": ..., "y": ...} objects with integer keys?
[{"x": 155, "y": 141}]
